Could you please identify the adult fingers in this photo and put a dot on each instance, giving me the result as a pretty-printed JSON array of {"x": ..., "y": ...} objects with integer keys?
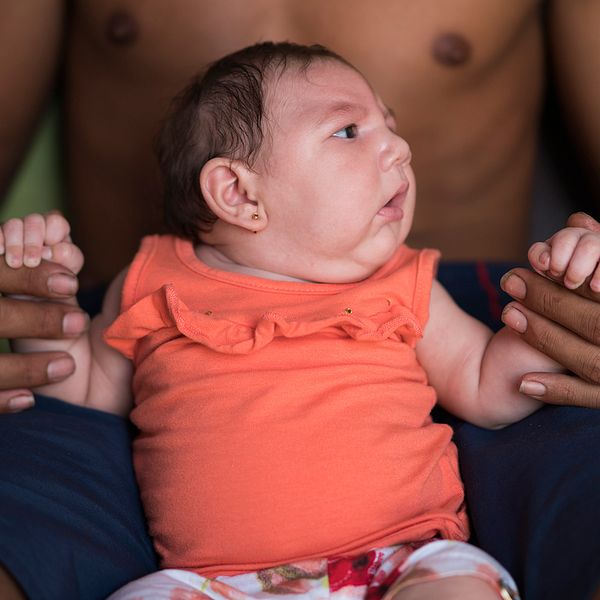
[
  {"x": 48, "y": 280},
  {"x": 12, "y": 401},
  {"x": 578, "y": 355},
  {"x": 31, "y": 370},
  {"x": 576, "y": 310},
  {"x": 48, "y": 320},
  {"x": 557, "y": 388},
  {"x": 563, "y": 324}
]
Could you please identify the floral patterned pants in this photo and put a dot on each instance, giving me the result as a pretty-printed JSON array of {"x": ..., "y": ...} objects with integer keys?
[{"x": 370, "y": 576}]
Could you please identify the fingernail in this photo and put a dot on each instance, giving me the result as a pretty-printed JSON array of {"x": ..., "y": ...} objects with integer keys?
[
  {"x": 61, "y": 283},
  {"x": 19, "y": 403},
  {"x": 514, "y": 286},
  {"x": 31, "y": 261},
  {"x": 75, "y": 323},
  {"x": 514, "y": 318},
  {"x": 13, "y": 260},
  {"x": 572, "y": 285},
  {"x": 61, "y": 367},
  {"x": 545, "y": 259},
  {"x": 532, "y": 388}
]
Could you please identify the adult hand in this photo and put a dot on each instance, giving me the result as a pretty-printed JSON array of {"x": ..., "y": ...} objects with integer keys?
[
  {"x": 30, "y": 318},
  {"x": 563, "y": 324}
]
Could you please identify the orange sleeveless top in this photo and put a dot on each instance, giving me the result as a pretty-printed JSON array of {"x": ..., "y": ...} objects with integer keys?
[{"x": 282, "y": 421}]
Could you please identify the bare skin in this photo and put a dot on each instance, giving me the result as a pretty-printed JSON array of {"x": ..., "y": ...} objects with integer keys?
[
  {"x": 9, "y": 590},
  {"x": 53, "y": 319},
  {"x": 564, "y": 326},
  {"x": 451, "y": 588},
  {"x": 451, "y": 74},
  {"x": 465, "y": 82},
  {"x": 576, "y": 54},
  {"x": 464, "y": 79},
  {"x": 33, "y": 32}
]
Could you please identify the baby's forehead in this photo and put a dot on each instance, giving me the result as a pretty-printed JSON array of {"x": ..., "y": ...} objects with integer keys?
[
  {"x": 321, "y": 82},
  {"x": 323, "y": 86}
]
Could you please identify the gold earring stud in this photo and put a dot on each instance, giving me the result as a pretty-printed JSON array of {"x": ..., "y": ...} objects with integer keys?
[{"x": 255, "y": 216}]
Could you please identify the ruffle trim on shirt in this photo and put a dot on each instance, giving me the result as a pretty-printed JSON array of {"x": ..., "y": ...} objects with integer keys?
[{"x": 221, "y": 332}]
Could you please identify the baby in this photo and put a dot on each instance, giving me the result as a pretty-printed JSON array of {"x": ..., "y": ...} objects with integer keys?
[{"x": 281, "y": 353}]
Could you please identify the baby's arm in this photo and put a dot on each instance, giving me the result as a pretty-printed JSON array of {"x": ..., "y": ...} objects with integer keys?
[
  {"x": 102, "y": 376},
  {"x": 477, "y": 374}
]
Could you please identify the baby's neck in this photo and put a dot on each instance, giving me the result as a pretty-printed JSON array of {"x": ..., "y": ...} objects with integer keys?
[{"x": 214, "y": 258}]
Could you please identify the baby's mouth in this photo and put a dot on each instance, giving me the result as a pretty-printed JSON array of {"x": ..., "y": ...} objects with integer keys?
[{"x": 392, "y": 209}]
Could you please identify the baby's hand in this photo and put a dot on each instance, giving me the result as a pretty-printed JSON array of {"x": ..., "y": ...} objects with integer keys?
[
  {"x": 571, "y": 253},
  {"x": 35, "y": 237}
]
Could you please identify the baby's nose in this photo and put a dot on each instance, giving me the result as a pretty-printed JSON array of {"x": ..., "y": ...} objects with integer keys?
[{"x": 395, "y": 152}]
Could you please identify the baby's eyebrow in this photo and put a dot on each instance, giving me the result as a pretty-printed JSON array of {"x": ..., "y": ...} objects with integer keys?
[{"x": 344, "y": 109}]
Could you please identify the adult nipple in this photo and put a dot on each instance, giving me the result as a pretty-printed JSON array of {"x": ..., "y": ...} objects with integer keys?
[
  {"x": 122, "y": 28},
  {"x": 451, "y": 49}
]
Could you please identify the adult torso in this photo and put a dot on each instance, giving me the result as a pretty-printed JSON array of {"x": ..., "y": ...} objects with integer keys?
[{"x": 464, "y": 79}]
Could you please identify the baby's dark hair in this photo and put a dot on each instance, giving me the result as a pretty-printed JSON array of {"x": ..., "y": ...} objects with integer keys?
[{"x": 221, "y": 114}]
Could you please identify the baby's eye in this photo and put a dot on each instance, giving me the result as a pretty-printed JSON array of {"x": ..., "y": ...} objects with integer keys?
[{"x": 350, "y": 131}]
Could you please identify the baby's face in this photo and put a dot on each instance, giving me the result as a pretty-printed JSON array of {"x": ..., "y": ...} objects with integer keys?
[{"x": 334, "y": 177}]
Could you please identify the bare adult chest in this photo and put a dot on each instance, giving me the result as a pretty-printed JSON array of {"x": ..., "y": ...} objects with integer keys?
[{"x": 438, "y": 42}]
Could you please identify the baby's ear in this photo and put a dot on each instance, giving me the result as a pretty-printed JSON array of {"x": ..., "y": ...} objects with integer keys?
[{"x": 228, "y": 188}]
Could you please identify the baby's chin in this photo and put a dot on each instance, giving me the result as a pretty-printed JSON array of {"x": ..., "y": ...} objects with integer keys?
[{"x": 350, "y": 271}]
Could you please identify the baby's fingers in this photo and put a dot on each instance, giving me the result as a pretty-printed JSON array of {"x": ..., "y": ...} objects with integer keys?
[
  {"x": 57, "y": 229},
  {"x": 66, "y": 254},
  {"x": 584, "y": 263},
  {"x": 34, "y": 229},
  {"x": 563, "y": 245},
  {"x": 539, "y": 256},
  {"x": 12, "y": 234}
]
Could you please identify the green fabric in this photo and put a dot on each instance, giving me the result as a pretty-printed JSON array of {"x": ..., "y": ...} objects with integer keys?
[{"x": 39, "y": 185}]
